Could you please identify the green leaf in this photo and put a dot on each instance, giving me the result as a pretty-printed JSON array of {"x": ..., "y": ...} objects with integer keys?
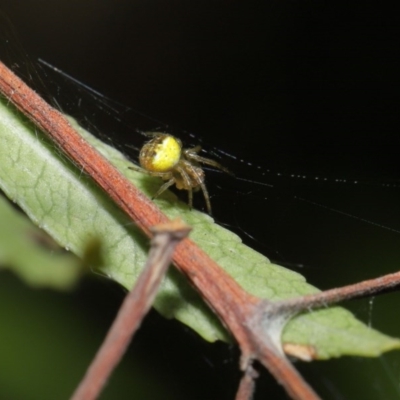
[
  {"x": 62, "y": 200},
  {"x": 32, "y": 254}
]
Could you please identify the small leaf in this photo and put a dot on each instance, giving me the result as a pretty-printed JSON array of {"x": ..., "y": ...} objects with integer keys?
[{"x": 58, "y": 197}]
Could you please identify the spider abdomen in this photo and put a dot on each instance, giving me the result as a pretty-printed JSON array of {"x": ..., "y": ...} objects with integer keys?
[{"x": 161, "y": 154}]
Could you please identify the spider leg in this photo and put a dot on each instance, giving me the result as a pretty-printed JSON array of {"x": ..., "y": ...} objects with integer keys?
[
  {"x": 207, "y": 161},
  {"x": 200, "y": 181},
  {"x": 195, "y": 149},
  {"x": 137, "y": 168},
  {"x": 144, "y": 171},
  {"x": 206, "y": 197},
  {"x": 164, "y": 187},
  {"x": 188, "y": 184},
  {"x": 190, "y": 198},
  {"x": 153, "y": 134}
]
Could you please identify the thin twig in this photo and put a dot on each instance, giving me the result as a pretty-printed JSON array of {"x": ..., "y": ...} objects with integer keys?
[
  {"x": 334, "y": 296},
  {"x": 135, "y": 306},
  {"x": 247, "y": 384}
]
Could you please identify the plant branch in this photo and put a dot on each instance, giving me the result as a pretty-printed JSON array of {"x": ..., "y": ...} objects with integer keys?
[{"x": 336, "y": 295}]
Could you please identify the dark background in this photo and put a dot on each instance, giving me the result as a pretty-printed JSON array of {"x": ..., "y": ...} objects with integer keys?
[{"x": 309, "y": 87}]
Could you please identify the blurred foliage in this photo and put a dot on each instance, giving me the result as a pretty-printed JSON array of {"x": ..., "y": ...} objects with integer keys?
[{"x": 32, "y": 254}]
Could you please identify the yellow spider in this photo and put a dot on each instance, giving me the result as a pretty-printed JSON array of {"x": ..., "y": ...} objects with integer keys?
[{"x": 163, "y": 156}]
